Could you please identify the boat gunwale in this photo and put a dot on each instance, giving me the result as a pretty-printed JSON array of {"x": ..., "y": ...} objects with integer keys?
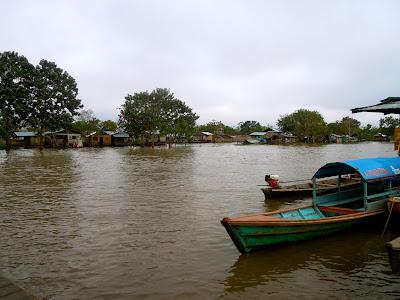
[{"x": 276, "y": 221}]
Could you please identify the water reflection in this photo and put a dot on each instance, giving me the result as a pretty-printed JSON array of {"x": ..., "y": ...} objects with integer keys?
[{"x": 346, "y": 259}]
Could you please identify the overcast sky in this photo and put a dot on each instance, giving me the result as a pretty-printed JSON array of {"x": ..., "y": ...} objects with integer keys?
[{"x": 229, "y": 60}]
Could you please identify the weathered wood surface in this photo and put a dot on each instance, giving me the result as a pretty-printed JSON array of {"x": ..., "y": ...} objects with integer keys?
[
  {"x": 13, "y": 291},
  {"x": 393, "y": 250}
]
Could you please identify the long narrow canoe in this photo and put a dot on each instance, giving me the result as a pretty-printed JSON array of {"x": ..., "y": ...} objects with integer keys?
[
  {"x": 257, "y": 231},
  {"x": 305, "y": 189}
]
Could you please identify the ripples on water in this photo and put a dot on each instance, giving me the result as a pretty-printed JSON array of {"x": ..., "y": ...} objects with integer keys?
[{"x": 145, "y": 223}]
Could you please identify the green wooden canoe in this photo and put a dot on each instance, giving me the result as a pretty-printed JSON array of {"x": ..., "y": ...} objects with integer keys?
[{"x": 253, "y": 232}]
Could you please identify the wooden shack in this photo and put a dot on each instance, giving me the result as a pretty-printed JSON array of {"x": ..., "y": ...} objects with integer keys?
[
  {"x": 203, "y": 137},
  {"x": 26, "y": 139},
  {"x": 64, "y": 138}
]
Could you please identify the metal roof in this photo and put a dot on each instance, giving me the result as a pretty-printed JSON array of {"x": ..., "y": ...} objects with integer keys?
[
  {"x": 390, "y": 105},
  {"x": 109, "y": 132},
  {"x": 121, "y": 135},
  {"x": 25, "y": 133},
  {"x": 258, "y": 133},
  {"x": 206, "y": 133},
  {"x": 368, "y": 168}
]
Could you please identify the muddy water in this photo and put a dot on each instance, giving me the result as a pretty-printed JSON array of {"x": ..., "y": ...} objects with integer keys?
[{"x": 145, "y": 224}]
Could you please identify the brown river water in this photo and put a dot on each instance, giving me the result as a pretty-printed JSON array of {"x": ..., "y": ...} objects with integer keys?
[{"x": 125, "y": 223}]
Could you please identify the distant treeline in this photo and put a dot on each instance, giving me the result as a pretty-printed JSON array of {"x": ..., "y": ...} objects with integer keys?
[{"x": 44, "y": 98}]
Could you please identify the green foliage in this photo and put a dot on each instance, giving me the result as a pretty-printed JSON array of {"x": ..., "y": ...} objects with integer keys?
[
  {"x": 55, "y": 98},
  {"x": 388, "y": 124},
  {"x": 248, "y": 127},
  {"x": 366, "y": 133},
  {"x": 108, "y": 125},
  {"x": 305, "y": 124},
  {"x": 16, "y": 84},
  {"x": 146, "y": 113},
  {"x": 86, "y": 122},
  {"x": 349, "y": 126},
  {"x": 216, "y": 127},
  {"x": 334, "y": 128}
]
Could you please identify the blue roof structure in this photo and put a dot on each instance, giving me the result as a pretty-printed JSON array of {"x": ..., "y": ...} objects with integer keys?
[{"x": 368, "y": 168}]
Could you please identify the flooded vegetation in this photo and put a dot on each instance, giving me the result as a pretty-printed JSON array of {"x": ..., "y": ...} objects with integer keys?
[{"x": 124, "y": 223}]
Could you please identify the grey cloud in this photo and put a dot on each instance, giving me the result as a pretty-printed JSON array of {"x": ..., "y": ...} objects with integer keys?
[{"x": 229, "y": 60}]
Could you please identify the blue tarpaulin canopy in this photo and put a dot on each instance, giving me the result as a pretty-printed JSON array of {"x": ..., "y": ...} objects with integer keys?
[{"x": 368, "y": 168}]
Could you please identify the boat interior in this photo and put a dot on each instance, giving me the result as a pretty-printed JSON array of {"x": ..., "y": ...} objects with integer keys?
[{"x": 348, "y": 201}]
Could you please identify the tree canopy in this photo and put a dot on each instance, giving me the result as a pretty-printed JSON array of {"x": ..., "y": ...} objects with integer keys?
[
  {"x": 388, "y": 124},
  {"x": 55, "y": 98},
  {"x": 156, "y": 111},
  {"x": 216, "y": 127},
  {"x": 16, "y": 84},
  {"x": 305, "y": 124},
  {"x": 248, "y": 127}
]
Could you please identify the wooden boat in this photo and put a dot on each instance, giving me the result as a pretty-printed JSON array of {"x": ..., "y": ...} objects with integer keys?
[
  {"x": 328, "y": 213},
  {"x": 305, "y": 189}
]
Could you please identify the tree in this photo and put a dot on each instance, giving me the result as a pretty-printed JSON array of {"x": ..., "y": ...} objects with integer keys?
[
  {"x": 86, "y": 121},
  {"x": 366, "y": 133},
  {"x": 55, "y": 98},
  {"x": 108, "y": 125},
  {"x": 305, "y": 124},
  {"x": 145, "y": 114},
  {"x": 334, "y": 128},
  {"x": 216, "y": 127},
  {"x": 248, "y": 127},
  {"x": 16, "y": 84},
  {"x": 388, "y": 124},
  {"x": 349, "y": 126},
  {"x": 178, "y": 119}
]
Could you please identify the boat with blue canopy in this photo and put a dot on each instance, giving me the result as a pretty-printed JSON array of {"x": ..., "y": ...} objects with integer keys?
[{"x": 328, "y": 213}]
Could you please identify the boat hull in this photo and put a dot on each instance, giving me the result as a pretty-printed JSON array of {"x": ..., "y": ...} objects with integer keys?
[{"x": 251, "y": 236}]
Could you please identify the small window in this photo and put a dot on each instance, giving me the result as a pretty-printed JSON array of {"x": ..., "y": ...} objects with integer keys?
[{"x": 73, "y": 137}]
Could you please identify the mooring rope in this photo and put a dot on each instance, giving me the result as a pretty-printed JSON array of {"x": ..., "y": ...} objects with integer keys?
[{"x": 387, "y": 221}]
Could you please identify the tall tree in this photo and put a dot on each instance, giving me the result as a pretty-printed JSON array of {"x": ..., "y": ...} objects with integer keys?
[
  {"x": 349, "y": 126},
  {"x": 55, "y": 98},
  {"x": 147, "y": 113},
  {"x": 304, "y": 124},
  {"x": 178, "y": 119},
  {"x": 16, "y": 86},
  {"x": 248, "y": 127}
]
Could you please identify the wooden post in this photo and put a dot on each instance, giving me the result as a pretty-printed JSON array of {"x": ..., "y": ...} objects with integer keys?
[
  {"x": 314, "y": 191},
  {"x": 339, "y": 184},
  {"x": 393, "y": 250},
  {"x": 365, "y": 195}
]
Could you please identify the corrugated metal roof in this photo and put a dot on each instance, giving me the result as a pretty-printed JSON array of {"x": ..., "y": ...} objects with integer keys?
[
  {"x": 109, "y": 132},
  {"x": 206, "y": 133},
  {"x": 258, "y": 133},
  {"x": 25, "y": 133},
  {"x": 390, "y": 105},
  {"x": 121, "y": 135}
]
